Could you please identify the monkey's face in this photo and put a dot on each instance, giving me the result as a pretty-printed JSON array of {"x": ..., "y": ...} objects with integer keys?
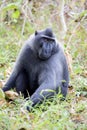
[
  {"x": 46, "y": 47},
  {"x": 45, "y": 44}
]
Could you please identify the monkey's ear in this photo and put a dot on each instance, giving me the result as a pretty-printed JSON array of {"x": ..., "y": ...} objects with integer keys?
[{"x": 36, "y": 32}]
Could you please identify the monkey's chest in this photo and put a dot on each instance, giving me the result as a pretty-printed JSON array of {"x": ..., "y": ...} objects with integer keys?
[{"x": 33, "y": 80}]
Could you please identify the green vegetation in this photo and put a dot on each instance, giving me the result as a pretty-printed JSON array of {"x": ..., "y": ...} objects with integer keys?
[{"x": 15, "y": 28}]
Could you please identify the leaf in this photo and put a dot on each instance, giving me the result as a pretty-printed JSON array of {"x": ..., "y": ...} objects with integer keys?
[
  {"x": 16, "y": 14},
  {"x": 10, "y": 7},
  {"x": 78, "y": 70},
  {"x": 11, "y": 95},
  {"x": 46, "y": 90},
  {"x": 1, "y": 84},
  {"x": 2, "y": 102},
  {"x": 2, "y": 95}
]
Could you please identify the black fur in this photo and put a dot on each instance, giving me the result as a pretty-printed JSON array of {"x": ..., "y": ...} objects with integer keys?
[{"x": 40, "y": 67}]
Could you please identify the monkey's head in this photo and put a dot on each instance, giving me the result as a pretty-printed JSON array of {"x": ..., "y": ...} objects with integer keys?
[{"x": 45, "y": 44}]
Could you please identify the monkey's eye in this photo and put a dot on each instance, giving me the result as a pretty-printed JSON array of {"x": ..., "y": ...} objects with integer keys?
[{"x": 45, "y": 40}]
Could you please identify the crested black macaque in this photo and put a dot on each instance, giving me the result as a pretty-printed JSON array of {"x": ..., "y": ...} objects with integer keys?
[{"x": 41, "y": 68}]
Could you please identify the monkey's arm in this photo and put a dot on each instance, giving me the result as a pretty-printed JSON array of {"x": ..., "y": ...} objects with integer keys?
[
  {"x": 47, "y": 88},
  {"x": 16, "y": 70},
  {"x": 11, "y": 81},
  {"x": 65, "y": 84}
]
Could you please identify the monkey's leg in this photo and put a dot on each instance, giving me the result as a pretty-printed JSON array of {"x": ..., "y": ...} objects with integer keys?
[{"x": 22, "y": 84}]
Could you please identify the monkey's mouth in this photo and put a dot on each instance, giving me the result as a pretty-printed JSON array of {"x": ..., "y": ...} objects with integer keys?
[{"x": 43, "y": 57}]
